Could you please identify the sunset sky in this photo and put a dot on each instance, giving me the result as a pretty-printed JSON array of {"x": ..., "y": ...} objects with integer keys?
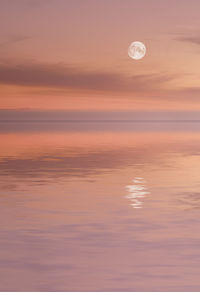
[{"x": 72, "y": 55}]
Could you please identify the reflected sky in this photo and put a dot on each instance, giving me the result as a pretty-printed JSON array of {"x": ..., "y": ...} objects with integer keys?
[{"x": 117, "y": 210}]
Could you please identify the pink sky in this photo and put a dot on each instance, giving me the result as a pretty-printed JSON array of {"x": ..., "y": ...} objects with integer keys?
[{"x": 72, "y": 55}]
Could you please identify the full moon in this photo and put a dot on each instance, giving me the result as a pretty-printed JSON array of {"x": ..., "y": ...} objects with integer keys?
[{"x": 137, "y": 50}]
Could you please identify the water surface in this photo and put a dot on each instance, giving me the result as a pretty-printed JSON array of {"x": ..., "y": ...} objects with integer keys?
[{"x": 99, "y": 207}]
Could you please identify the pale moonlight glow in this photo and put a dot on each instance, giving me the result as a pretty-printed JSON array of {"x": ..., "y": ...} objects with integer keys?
[
  {"x": 136, "y": 192},
  {"x": 137, "y": 50}
]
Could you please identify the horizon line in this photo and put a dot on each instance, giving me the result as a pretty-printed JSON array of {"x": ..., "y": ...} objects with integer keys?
[{"x": 99, "y": 121}]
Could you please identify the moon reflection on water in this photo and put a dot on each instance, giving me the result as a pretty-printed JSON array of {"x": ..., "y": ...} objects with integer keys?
[{"x": 136, "y": 192}]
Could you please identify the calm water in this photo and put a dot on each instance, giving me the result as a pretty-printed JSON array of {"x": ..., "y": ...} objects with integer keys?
[{"x": 97, "y": 207}]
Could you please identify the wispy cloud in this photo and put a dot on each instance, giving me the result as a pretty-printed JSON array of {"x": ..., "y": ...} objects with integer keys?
[
  {"x": 190, "y": 39},
  {"x": 65, "y": 76},
  {"x": 14, "y": 40}
]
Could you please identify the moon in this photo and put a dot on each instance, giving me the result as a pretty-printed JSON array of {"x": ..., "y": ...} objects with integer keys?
[{"x": 137, "y": 50}]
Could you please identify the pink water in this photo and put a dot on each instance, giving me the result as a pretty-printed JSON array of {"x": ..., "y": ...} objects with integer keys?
[{"x": 99, "y": 208}]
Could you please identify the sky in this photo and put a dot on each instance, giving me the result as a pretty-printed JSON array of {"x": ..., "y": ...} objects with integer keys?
[{"x": 71, "y": 55}]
